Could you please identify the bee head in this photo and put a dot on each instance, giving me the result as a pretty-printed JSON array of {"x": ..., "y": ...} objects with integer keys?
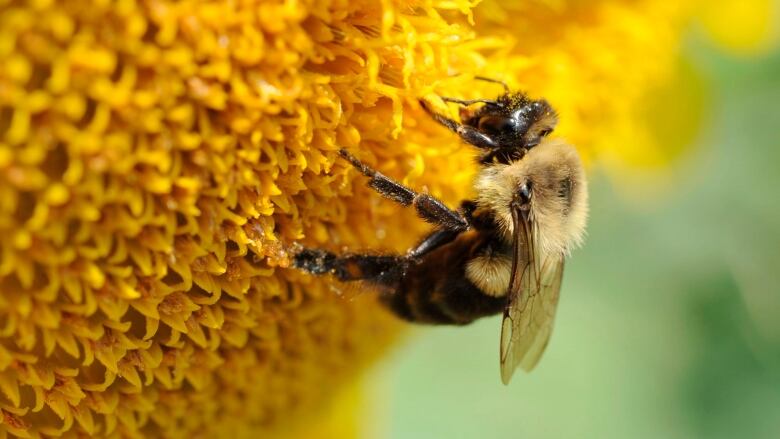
[{"x": 513, "y": 121}]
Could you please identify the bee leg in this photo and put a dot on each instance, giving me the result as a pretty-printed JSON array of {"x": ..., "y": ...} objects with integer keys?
[
  {"x": 380, "y": 269},
  {"x": 440, "y": 237},
  {"x": 428, "y": 208},
  {"x": 469, "y": 134},
  {"x": 431, "y": 242}
]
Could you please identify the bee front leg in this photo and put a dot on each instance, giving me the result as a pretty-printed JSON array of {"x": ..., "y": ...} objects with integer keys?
[
  {"x": 469, "y": 134},
  {"x": 428, "y": 208}
]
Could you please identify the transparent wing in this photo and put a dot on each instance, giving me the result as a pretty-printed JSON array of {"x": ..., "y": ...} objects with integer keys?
[{"x": 532, "y": 298}]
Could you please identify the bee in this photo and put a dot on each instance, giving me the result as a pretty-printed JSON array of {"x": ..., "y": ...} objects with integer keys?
[{"x": 502, "y": 252}]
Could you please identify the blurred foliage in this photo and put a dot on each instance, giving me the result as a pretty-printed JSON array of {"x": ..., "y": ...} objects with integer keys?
[{"x": 732, "y": 383}]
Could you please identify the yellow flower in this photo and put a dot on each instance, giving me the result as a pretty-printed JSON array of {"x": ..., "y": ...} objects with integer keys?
[
  {"x": 744, "y": 28},
  {"x": 158, "y": 157}
]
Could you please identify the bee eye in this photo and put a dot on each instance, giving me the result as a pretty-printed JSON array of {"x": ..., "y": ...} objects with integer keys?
[
  {"x": 497, "y": 124},
  {"x": 544, "y": 133},
  {"x": 525, "y": 193}
]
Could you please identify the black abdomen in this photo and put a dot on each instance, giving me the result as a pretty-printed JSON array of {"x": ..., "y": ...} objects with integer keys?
[{"x": 437, "y": 291}]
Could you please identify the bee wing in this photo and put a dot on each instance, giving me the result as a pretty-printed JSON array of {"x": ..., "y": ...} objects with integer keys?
[{"x": 531, "y": 300}]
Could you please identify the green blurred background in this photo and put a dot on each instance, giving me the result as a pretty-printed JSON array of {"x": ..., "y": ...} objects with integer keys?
[{"x": 669, "y": 321}]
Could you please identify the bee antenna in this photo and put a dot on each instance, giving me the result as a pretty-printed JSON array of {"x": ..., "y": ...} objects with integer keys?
[
  {"x": 467, "y": 102},
  {"x": 495, "y": 81}
]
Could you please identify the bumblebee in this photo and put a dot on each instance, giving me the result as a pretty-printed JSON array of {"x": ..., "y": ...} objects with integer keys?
[{"x": 502, "y": 252}]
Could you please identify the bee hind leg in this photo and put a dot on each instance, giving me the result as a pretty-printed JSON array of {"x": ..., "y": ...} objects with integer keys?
[{"x": 381, "y": 269}]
